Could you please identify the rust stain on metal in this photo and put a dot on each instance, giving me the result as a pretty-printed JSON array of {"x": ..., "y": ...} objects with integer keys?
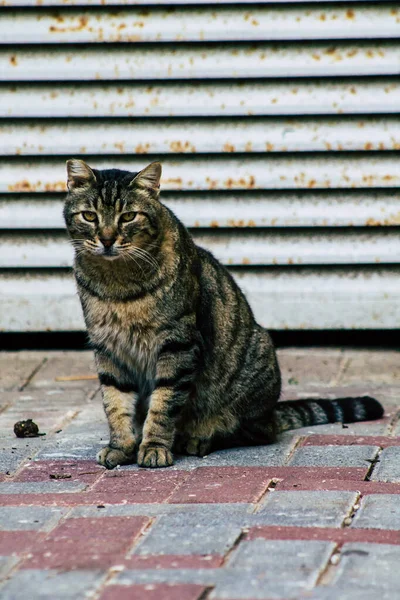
[
  {"x": 269, "y": 147},
  {"x": 242, "y": 182},
  {"x": 173, "y": 180},
  {"x": 80, "y": 26},
  {"x": 312, "y": 183},
  {"x": 246, "y": 261},
  {"x": 142, "y": 148},
  {"x": 13, "y": 60},
  {"x": 214, "y": 224},
  {"x": 229, "y": 148},
  {"x": 350, "y": 14},
  {"x": 179, "y": 146},
  {"x": 212, "y": 183}
]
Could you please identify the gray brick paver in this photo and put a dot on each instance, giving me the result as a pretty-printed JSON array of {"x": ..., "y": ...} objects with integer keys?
[
  {"x": 388, "y": 468},
  {"x": 305, "y": 508},
  {"x": 25, "y": 518},
  {"x": 51, "y": 585},
  {"x": 380, "y": 511},
  {"x": 333, "y": 456}
]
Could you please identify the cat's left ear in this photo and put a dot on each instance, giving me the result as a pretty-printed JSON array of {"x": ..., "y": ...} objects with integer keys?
[{"x": 149, "y": 177}]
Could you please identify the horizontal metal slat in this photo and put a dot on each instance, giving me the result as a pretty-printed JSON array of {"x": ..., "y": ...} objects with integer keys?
[
  {"x": 200, "y": 61},
  {"x": 34, "y": 3},
  {"x": 378, "y": 95},
  {"x": 282, "y": 209},
  {"x": 281, "y": 299},
  {"x": 345, "y": 170},
  {"x": 201, "y": 24},
  {"x": 30, "y": 138},
  {"x": 246, "y": 247}
]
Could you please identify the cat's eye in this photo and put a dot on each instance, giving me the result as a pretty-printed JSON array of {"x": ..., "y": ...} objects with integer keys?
[
  {"x": 89, "y": 216},
  {"x": 128, "y": 216}
]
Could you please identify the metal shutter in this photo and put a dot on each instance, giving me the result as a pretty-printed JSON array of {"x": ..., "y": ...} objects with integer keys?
[{"x": 277, "y": 125}]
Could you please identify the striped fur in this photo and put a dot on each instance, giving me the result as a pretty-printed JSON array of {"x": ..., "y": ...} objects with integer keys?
[{"x": 182, "y": 363}]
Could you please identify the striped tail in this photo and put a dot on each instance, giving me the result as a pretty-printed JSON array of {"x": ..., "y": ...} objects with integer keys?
[{"x": 293, "y": 414}]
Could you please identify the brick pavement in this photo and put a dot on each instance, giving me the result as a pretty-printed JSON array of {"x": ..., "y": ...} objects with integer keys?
[{"x": 315, "y": 516}]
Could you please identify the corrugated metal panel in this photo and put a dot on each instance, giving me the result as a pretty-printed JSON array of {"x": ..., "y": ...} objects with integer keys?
[
  {"x": 297, "y": 97},
  {"x": 203, "y": 173},
  {"x": 283, "y": 298},
  {"x": 201, "y": 24},
  {"x": 208, "y": 136},
  {"x": 244, "y": 248},
  {"x": 219, "y": 61},
  {"x": 152, "y": 3},
  {"x": 178, "y": 70},
  {"x": 227, "y": 210}
]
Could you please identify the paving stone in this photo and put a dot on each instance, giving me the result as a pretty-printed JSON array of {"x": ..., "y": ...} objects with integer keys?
[
  {"x": 318, "y": 366},
  {"x": 174, "y": 561},
  {"x": 255, "y": 456},
  {"x": 87, "y": 543},
  {"x": 368, "y": 567},
  {"x": 154, "y": 592},
  {"x": 377, "y": 366},
  {"x": 6, "y": 564},
  {"x": 239, "y": 513},
  {"x": 14, "y": 451},
  {"x": 223, "y": 484},
  {"x": 41, "y": 518},
  {"x": 86, "y": 471},
  {"x": 334, "y": 456},
  {"x": 262, "y": 569},
  {"x": 19, "y": 543},
  {"x": 49, "y": 409},
  {"x": 48, "y": 585},
  {"x": 204, "y": 577},
  {"x": 41, "y": 487},
  {"x": 66, "y": 364},
  {"x": 73, "y": 446},
  {"x": 378, "y": 512},
  {"x": 388, "y": 467},
  {"x": 196, "y": 533},
  {"x": 16, "y": 367},
  {"x": 305, "y": 508},
  {"x": 146, "y": 485}
]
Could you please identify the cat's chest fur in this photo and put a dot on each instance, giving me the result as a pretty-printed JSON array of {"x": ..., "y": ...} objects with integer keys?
[{"x": 127, "y": 331}]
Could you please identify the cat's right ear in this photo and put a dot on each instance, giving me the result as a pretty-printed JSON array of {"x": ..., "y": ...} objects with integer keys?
[{"x": 80, "y": 175}]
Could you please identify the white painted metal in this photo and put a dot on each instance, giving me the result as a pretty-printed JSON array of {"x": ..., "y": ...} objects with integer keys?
[
  {"x": 268, "y": 209},
  {"x": 345, "y": 170},
  {"x": 211, "y": 136},
  {"x": 300, "y": 97},
  {"x": 199, "y": 62},
  {"x": 247, "y": 247},
  {"x": 282, "y": 298},
  {"x": 255, "y": 190},
  {"x": 201, "y": 24},
  {"x": 41, "y": 3}
]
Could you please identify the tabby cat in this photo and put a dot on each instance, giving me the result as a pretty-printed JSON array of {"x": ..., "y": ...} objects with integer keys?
[{"x": 182, "y": 363}]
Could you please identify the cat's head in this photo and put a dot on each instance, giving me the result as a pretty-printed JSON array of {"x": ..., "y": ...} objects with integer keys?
[{"x": 112, "y": 214}]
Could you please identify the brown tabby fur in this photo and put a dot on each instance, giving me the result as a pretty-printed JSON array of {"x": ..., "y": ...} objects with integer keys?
[{"x": 183, "y": 365}]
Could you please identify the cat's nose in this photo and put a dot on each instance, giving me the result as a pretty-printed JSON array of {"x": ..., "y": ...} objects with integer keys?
[{"x": 107, "y": 241}]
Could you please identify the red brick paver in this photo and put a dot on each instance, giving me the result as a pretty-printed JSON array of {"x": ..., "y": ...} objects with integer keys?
[
  {"x": 154, "y": 592},
  {"x": 87, "y": 543}
]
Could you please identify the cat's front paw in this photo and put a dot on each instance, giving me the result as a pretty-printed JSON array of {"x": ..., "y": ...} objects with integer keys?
[
  {"x": 154, "y": 457},
  {"x": 111, "y": 457}
]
